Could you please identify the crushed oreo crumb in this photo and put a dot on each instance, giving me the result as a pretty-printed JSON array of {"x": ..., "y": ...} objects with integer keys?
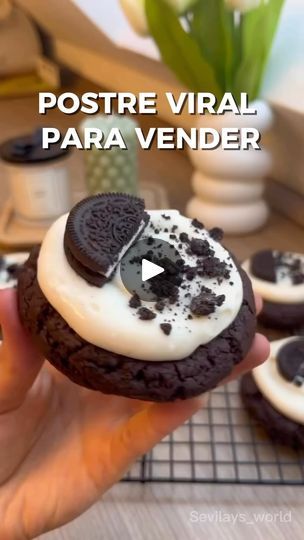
[
  {"x": 146, "y": 314},
  {"x": 216, "y": 234},
  {"x": 174, "y": 296},
  {"x": 135, "y": 301},
  {"x": 166, "y": 285},
  {"x": 184, "y": 237},
  {"x": 159, "y": 305},
  {"x": 200, "y": 247},
  {"x": 206, "y": 302},
  {"x": 297, "y": 275},
  {"x": 298, "y": 279},
  {"x": 166, "y": 328},
  {"x": 212, "y": 267},
  {"x": 191, "y": 273},
  {"x": 172, "y": 288},
  {"x": 197, "y": 224},
  {"x": 293, "y": 265}
]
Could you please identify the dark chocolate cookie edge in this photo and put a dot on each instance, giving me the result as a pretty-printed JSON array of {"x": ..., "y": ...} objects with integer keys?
[
  {"x": 98, "y": 369},
  {"x": 280, "y": 429},
  {"x": 282, "y": 316}
]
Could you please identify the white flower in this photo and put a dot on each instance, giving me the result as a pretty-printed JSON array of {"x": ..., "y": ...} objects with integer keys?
[
  {"x": 242, "y": 5},
  {"x": 135, "y": 12}
]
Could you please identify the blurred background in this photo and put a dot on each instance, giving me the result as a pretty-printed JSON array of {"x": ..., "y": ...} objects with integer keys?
[{"x": 82, "y": 45}]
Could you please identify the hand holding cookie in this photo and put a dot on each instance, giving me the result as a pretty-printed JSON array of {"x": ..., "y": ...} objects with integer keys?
[{"x": 62, "y": 445}]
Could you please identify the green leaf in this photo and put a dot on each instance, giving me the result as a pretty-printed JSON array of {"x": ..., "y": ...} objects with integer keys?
[
  {"x": 178, "y": 49},
  {"x": 258, "y": 28},
  {"x": 212, "y": 27}
]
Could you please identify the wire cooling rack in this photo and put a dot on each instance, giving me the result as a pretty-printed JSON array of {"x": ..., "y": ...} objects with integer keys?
[{"x": 220, "y": 444}]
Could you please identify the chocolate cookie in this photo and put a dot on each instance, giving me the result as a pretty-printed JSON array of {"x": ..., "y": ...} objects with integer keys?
[
  {"x": 279, "y": 278},
  {"x": 99, "y": 369},
  {"x": 279, "y": 428},
  {"x": 282, "y": 316},
  {"x": 274, "y": 392}
]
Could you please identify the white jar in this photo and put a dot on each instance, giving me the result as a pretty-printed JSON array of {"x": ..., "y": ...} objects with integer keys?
[{"x": 38, "y": 179}]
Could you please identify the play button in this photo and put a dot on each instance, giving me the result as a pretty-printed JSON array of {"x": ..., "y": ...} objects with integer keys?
[{"x": 151, "y": 269}]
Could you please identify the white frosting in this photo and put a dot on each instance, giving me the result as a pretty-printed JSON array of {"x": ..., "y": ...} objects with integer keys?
[
  {"x": 124, "y": 250},
  {"x": 286, "y": 397},
  {"x": 102, "y": 316},
  {"x": 283, "y": 291}
]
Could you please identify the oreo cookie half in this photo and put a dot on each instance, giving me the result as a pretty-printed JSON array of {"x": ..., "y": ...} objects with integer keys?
[
  {"x": 94, "y": 278},
  {"x": 99, "y": 231},
  {"x": 263, "y": 265},
  {"x": 290, "y": 361}
]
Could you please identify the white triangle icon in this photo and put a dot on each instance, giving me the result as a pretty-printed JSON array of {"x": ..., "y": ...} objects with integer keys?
[{"x": 149, "y": 270}]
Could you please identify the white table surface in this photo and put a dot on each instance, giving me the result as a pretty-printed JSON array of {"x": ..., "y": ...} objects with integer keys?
[{"x": 163, "y": 512}]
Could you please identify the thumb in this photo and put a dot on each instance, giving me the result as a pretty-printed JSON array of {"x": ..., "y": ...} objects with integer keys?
[
  {"x": 19, "y": 360},
  {"x": 148, "y": 427}
]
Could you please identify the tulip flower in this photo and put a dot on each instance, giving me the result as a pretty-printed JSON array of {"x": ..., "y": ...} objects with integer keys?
[
  {"x": 235, "y": 63},
  {"x": 135, "y": 12},
  {"x": 242, "y": 5}
]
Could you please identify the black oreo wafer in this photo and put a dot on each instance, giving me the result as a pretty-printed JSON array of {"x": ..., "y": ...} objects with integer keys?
[
  {"x": 290, "y": 360},
  {"x": 263, "y": 265},
  {"x": 94, "y": 278},
  {"x": 99, "y": 229}
]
